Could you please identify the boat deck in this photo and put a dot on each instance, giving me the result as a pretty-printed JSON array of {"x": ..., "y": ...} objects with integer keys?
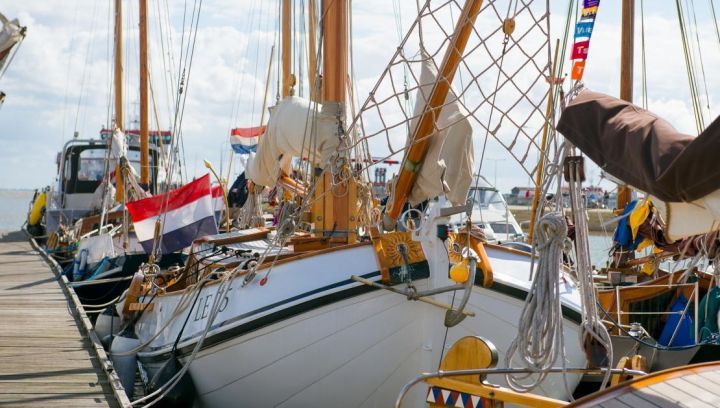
[
  {"x": 47, "y": 355},
  {"x": 688, "y": 386}
]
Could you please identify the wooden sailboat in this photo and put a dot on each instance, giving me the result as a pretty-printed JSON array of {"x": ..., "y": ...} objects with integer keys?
[
  {"x": 660, "y": 304},
  {"x": 93, "y": 241},
  {"x": 298, "y": 318}
]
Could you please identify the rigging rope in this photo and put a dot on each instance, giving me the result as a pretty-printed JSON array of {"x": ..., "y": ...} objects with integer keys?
[
  {"x": 540, "y": 329},
  {"x": 689, "y": 67},
  {"x": 517, "y": 63},
  {"x": 593, "y": 332},
  {"x": 643, "y": 65}
]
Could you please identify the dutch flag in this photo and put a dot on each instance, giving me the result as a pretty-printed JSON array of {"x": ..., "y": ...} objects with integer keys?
[
  {"x": 245, "y": 140},
  {"x": 187, "y": 213}
]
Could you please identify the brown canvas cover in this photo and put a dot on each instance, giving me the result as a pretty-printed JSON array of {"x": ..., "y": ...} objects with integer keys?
[{"x": 643, "y": 149}]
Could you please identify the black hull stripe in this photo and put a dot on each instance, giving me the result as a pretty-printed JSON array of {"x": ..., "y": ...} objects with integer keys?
[{"x": 419, "y": 272}]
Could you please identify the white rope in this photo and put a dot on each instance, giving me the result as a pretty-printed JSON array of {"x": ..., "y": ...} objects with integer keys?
[
  {"x": 540, "y": 337},
  {"x": 593, "y": 331}
]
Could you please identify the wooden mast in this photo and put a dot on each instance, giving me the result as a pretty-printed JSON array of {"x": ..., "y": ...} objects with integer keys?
[
  {"x": 336, "y": 214},
  {"x": 144, "y": 135},
  {"x": 626, "y": 78},
  {"x": 426, "y": 125},
  {"x": 120, "y": 188},
  {"x": 288, "y": 79},
  {"x": 312, "y": 51}
]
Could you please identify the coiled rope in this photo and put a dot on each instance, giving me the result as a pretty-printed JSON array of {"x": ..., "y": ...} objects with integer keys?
[{"x": 540, "y": 337}]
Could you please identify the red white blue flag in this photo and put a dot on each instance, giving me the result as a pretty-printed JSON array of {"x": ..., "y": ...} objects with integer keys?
[
  {"x": 186, "y": 214},
  {"x": 218, "y": 201},
  {"x": 245, "y": 140}
]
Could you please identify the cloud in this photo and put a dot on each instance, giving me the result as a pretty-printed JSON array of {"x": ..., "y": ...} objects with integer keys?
[{"x": 62, "y": 73}]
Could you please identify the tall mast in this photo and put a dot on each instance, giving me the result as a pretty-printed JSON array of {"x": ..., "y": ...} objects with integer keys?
[
  {"x": 337, "y": 211},
  {"x": 626, "y": 77},
  {"x": 144, "y": 136},
  {"x": 288, "y": 79},
  {"x": 416, "y": 153},
  {"x": 312, "y": 51},
  {"x": 120, "y": 190}
]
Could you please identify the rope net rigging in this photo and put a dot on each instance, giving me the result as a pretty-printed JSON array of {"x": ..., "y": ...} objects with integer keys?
[{"x": 500, "y": 84}]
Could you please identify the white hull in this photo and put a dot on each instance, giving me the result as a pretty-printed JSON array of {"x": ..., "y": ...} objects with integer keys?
[{"x": 358, "y": 351}]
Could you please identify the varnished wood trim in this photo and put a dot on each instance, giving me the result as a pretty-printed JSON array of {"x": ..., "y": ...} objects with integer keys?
[
  {"x": 496, "y": 393},
  {"x": 593, "y": 400}
]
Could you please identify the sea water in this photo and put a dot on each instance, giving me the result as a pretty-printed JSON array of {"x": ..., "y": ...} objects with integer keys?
[{"x": 14, "y": 206}]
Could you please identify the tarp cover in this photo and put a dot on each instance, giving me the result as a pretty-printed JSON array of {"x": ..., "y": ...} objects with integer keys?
[
  {"x": 10, "y": 34},
  {"x": 292, "y": 133},
  {"x": 642, "y": 149},
  {"x": 448, "y": 165}
]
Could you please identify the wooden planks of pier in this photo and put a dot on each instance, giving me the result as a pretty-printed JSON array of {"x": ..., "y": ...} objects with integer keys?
[{"x": 46, "y": 357}]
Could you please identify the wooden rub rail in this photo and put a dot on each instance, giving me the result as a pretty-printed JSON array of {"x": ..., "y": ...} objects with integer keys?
[{"x": 49, "y": 356}]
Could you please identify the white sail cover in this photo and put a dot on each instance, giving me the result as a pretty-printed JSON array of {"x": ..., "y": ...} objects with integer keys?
[
  {"x": 292, "y": 132},
  {"x": 448, "y": 166},
  {"x": 118, "y": 145},
  {"x": 684, "y": 220},
  {"x": 10, "y": 35}
]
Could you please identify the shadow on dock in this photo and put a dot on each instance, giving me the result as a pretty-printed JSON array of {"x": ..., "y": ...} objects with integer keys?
[{"x": 14, "y": 236}]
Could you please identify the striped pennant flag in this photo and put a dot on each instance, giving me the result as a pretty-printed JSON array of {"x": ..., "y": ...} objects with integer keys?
[
  {"x": 187, "y": 214},
  {"x": 245, "y": 140}
]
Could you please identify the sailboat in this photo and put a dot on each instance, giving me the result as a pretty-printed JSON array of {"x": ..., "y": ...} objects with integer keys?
[
  {"x": 342, "y": 304},
  {"x": 659, "y": 303},
  {"x": 81, "y": 218}
]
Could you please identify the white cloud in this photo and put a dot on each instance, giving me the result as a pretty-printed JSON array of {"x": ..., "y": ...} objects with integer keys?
[{"x": 228, "y": 76}]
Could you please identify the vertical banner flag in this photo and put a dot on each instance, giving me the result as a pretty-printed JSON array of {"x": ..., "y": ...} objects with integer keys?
[
  {"x": 583, "y": 32},
  {"x": 186, "y": 214},
  {"x": 245, "y": 140}
]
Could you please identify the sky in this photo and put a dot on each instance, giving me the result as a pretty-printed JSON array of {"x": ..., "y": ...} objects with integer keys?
[{"x": 60, "y": 80}]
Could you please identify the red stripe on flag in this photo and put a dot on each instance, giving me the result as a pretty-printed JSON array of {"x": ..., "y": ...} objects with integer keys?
[
  {"x": 248, "y": 132},
  {"x": 217, "y": 191},
  {"x": 155, "y": 205}
]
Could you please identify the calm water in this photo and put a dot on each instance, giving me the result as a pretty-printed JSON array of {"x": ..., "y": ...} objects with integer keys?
[
  {"x": 599, "y": 247},
  {"x": 13, "y": 209}
]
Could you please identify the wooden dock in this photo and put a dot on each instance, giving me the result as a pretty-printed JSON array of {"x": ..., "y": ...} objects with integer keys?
[{"x": 47, "y": 355}]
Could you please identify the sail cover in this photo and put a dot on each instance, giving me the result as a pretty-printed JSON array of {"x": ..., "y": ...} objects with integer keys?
[
  {"x": 295, "y": 129},
  {"x": 642, "y": 149},
  {"x": 10, "y": 35},
  {"x": 449, "y": 162}
]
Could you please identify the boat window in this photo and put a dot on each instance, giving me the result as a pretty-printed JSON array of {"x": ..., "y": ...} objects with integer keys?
[
  {"x": 503, "y": 228},
  {"x": 484, "y": 198},
  {"x": 91, "y": 166}
]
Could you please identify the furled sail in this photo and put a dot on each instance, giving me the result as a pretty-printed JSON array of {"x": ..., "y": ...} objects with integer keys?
[
  {"x": 449, "y": 165},
  {"x": 295, "y": 129},
  {"x": 680, "y": 171},
  {"x": 10, "y": 35}
]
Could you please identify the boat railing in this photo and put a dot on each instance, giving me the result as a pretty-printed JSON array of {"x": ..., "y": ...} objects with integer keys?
[
  {"x": 694, "y": 298},
  {"x": 494, "y": 390}
]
